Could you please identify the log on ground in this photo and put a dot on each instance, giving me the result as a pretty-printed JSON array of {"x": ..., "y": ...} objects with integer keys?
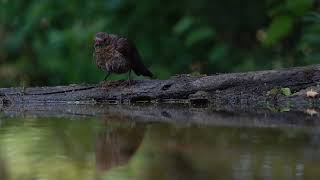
[{"x": 293, "y": 87}]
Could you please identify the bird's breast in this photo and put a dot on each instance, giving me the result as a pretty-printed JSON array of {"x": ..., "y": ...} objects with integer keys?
[
  {"x": 117, "y": 64},
  {"x": 102, "y": 56},
  {"x": 111, "y": 60}
]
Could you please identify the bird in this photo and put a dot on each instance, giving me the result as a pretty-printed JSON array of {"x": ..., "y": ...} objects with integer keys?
[{"x": 116, "y": 54}]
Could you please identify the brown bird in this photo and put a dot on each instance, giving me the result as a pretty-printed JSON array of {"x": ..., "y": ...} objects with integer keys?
[{"x": 116, "y": 54}]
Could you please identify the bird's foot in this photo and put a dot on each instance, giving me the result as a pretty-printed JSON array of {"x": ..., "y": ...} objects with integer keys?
[
  {"x": 123, "y": 83},
  {"x": 111, "y": 84},
  {"x": 127, "y": 83},
  {"x": 104, "y": 83}
]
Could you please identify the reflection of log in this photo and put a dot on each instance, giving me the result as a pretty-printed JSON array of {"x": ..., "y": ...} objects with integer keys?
[
  {"x": 234, "y": 89},
  {"x": 173, "y": 114}
]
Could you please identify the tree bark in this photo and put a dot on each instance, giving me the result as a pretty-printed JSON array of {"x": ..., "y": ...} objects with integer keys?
[{"x": 227, "y": 91}]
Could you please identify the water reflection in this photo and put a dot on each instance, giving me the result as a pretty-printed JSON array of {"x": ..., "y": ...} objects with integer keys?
[
  {"x": 119, "y": 148},
  {"x": 115, "y": 146}
]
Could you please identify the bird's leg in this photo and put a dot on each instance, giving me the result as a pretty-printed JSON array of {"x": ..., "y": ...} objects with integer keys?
[
  {"x": 108, "y": 74},
  {"x": 129, "y": 77}
]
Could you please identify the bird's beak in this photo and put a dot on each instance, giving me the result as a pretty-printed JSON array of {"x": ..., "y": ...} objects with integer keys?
[{"x": 97, "y": 41}]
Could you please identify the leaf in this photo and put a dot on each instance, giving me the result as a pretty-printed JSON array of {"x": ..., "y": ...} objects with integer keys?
[
  {"x": 312, "y": 17},
  {"x": 298, "y": 7},
  {"x": 273, "y": 92},
  {"x": 285, "y": 109},
  {"x": 200, "y": 34},
  {"x": 183, "y": 25},
  {"x": 218, "y": 52},
  {"x": 286, "y": 91},
  {"x": 278, "y": 29}
]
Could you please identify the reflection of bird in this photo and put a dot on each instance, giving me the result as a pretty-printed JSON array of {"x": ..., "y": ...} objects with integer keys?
[
  {"x": 115, "y": 54},
  {"x": 116, "y": 146}
]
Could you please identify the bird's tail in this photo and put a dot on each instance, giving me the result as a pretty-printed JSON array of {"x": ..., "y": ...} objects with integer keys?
[
  {"x": 138, "y": 67},
  {"x": 142, "y": 70}
]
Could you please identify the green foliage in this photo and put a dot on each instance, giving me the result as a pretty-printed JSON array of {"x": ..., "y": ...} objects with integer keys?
[
  {"x": 273, "y": 92},
  {"x": 284, "y": 17},
  {"x": 50, "y": 42},
  {"x": 276, "y": 91},
  {"x": 286, "y": 91},
  {"x": 310, "y": 41},
  {"x": 278, "y": 29},
  {"x": 183, "y": 25},
  {"x": 199, "y": 35}
]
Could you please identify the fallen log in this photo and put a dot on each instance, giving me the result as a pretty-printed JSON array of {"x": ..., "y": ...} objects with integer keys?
[{"x": 272, "y": 88}]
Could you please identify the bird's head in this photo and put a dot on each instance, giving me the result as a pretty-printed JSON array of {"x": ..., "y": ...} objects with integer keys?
[{"x": 101, "y": 39}]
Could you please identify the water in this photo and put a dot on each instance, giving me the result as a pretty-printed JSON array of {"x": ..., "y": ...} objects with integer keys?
[{"x": 75, "y": 145}]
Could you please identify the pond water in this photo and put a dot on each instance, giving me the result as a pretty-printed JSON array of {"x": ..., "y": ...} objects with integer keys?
[{"x": 126, "y": 147}]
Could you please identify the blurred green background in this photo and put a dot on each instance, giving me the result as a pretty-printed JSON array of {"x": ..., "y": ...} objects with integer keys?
[{"x": 50, "y": 42}]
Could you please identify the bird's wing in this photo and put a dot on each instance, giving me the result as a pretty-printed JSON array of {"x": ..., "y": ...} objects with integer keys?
[{"x": 125, "y": 47}]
